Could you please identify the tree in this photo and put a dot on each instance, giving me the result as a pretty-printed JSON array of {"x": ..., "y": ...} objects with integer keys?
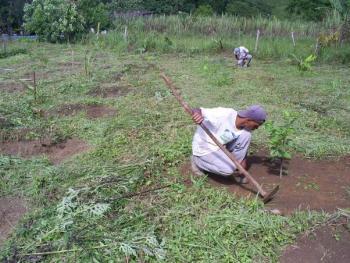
[
  {"x": 248, "y": 8},
  {"x": 94, "y": 12},
  {"x": 342, "y": 7},
  {"x": 11, "y": 13},
  {"x": 53, "y": 20},
  {"x": 314, "y": 10}
]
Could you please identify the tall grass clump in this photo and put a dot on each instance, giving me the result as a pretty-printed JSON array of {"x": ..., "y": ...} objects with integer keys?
[
  {"x": 224, "y": 25},
  {"x": 195, "y": 34}
]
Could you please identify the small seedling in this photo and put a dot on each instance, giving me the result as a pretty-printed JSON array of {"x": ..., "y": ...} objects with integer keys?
[
  {"x": 33, "y": 88},
  {"x": 88, "y": 59},
  {"x": 218, "y": 44},
  {"x": 279, "y": 138}
]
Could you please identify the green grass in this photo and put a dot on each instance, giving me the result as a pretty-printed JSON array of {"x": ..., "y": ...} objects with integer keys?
[{"x": 145, "y": 143}]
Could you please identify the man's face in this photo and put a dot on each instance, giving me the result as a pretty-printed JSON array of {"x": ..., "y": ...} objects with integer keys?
[{"x": 252, "y": 125}]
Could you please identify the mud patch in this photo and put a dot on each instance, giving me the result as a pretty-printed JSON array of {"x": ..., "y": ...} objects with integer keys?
[
  {"x": 56, "y": 152},
  {"x": 92, "y": 111},
  {"x": 11, "y": 87},
  {"x": 110, "y": 92},
  {"x": 316, "y": 185},
  {"x": 11, "y": 211},
  {"x": 326, "y": 244}
]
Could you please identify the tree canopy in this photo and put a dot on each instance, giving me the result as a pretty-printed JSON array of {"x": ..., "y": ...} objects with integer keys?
[{"x": 100, "y": 11}]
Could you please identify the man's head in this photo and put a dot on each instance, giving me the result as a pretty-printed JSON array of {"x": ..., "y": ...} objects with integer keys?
[
  {"x": 252, "y": 117},
  {"x": 236, "y": 51}
]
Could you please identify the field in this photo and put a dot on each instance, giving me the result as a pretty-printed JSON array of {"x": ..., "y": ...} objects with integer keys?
[{"x": 95, "y": 153}]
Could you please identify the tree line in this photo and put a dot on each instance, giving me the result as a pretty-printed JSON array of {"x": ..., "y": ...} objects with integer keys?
[{"x": 13, "y": 13}]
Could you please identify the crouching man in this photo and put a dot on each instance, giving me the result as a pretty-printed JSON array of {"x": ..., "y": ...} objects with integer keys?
[
  {"x": 242, "y": 56},
  {"x": 233, "y": 129}
]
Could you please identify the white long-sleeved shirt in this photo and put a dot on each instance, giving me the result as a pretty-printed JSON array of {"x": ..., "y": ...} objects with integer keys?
[{"x": 221, "y": 123}]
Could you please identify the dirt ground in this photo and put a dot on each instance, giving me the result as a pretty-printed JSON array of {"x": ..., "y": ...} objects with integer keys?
[
  {"x": 327, "y": 244},
  {"x": 11, "y": 211},
  {"x": 110, "y": 91},
  {"x": 55, "y": 152},
  {"x": 309, "y": 184},
  {"x": 11, "y": 87},
  {"x": 92, "y": 111}
]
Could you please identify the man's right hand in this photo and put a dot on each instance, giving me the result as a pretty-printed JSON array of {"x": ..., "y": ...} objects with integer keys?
[{"x": 197, "y": 116}]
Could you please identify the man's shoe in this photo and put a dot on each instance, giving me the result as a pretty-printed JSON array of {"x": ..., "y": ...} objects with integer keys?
[
  {"x": 195, "y": 169},
  {"x": 241, "y": 179}
]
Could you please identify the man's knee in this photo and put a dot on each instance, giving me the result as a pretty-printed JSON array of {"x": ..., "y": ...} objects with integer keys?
[{"x": 226, "y": 171}]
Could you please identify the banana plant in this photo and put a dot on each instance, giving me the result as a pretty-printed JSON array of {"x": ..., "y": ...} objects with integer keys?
[{"x": 306, "y": 63}]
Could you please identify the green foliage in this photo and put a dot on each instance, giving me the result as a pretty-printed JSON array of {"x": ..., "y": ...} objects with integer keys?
[
  {"x": 125, "y": 5},
  {"x": 341, "y": 6},
  {"x": 309, "y": 9},
  {"x": 94, "y": 12},
  {"x": 148, "y": 141},
  {"x": 248, "y": 8},
  {"x": 12, "y": 52},
  {"x": 11, "y": 13},
  {"x": 306, "y": 63},
  {"x": 203, "y": 10},
  {"x": 53, "y": 20},
  {"x": 279, "y": 136}
]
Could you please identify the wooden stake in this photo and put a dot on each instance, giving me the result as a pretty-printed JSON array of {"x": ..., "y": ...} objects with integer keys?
[
  {"x": 34, "y": 85},
  {"x": 257, "y": 40},
  {"x": 293, "y": 39},
  {"x": 125, "y": 33}
]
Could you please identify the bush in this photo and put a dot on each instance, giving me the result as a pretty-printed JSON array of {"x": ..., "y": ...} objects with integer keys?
[
  {"x": 248, "y": 8},
  {"x": 94, "y": 12},
  {"x": 12, "y": 52},
  {"x": 204, "y": 10},
  {"x": 53, "y": 20}
]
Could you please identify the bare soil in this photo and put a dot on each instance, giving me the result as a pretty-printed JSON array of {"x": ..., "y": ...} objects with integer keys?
[
  {"x": 327, "y": 244},
  {"x": 11, "y": 211},
  {"x": 92, "y": 111},
  {"x": 11, "y": 87},
  {"x": 55, "y": 152},
  {"x": 110, "y": 92},
  {"x": 309, "y": 184}
]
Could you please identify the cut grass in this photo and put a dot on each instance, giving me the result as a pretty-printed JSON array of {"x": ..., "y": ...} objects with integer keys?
[{"x": 143, "y": 145}]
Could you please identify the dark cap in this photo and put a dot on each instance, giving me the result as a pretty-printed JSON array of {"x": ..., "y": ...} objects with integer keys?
[{"x": 254, "y": 112}]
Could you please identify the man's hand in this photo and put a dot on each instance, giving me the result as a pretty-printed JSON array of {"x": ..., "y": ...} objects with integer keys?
[{"x": 197, "y": 116}]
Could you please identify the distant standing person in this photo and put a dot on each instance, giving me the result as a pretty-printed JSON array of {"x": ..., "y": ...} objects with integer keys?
[{"x": 242, "y": 56}]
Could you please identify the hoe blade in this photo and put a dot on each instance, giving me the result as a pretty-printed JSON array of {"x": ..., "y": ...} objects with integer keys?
[{"x": 270, "y": 195}]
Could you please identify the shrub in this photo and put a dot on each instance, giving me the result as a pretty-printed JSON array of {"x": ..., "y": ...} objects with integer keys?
[
  {"x": 12, "y": 52},
  {"x": 94, "y": 13},
  {"x": 53, "y": 20},
  {"x": 306, "y": 63},
  {"x": 204, "y": 10}
]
